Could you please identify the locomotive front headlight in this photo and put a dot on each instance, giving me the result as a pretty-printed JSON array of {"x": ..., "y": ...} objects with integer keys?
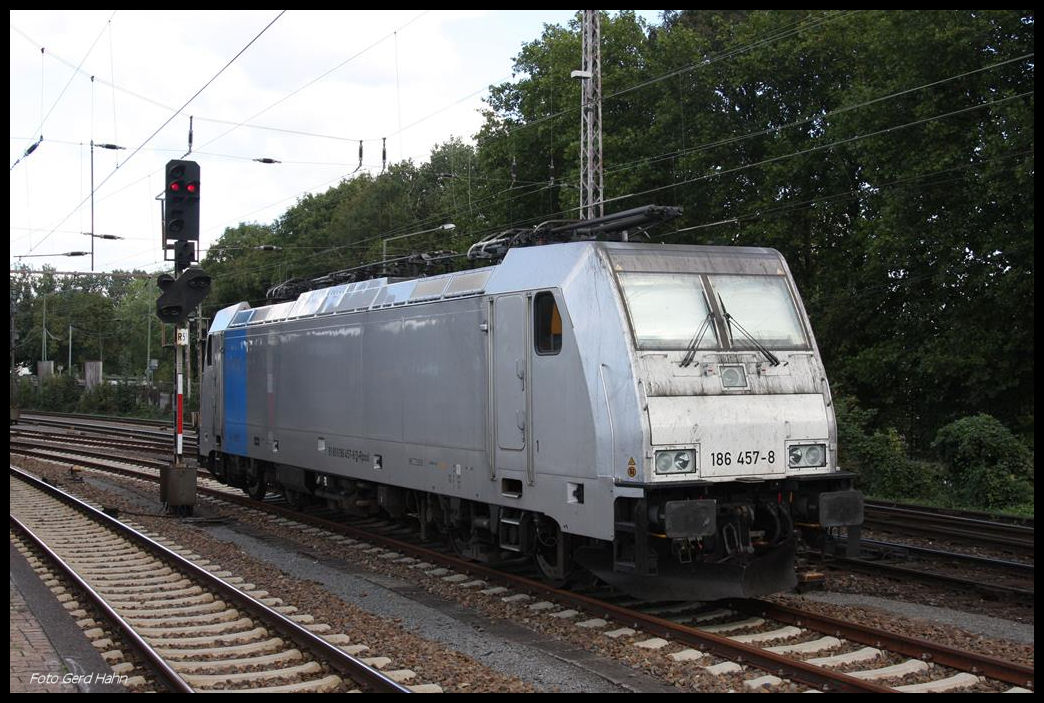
[
  {"x": 733, "y": 377},
  {"x": 675, "y": 461},
  {"x": 682, "y": 461},
  {"x": 663, "y": 462},
  {"x": 803, "y": 456}
]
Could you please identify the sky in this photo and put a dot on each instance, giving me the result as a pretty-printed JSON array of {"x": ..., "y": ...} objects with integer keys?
[{"x": 301, "y": 87}]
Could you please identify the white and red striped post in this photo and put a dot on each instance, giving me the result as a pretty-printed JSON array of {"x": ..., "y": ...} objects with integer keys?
[
  {"x": 181, "y": 343},
  {"x": 180, "y": 422}
]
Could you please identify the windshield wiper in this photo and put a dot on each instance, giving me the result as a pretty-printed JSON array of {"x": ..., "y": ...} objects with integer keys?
[
  {"x": 757, "y": 345},
  {"x": 694, "y": 343}
]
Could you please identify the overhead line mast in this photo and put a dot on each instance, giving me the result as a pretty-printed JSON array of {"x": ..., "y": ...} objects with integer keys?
[{"x": 591, "y": 118}]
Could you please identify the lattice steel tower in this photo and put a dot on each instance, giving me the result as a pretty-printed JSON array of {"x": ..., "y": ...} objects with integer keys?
[{"x": 591, "y": 119}]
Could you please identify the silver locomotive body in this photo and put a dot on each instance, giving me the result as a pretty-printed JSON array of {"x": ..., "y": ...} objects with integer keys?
[{"x": 658, "y": 415}]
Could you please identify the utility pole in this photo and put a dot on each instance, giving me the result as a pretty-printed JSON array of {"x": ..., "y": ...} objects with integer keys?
[
  {"x": 92, "y": 198},
  {"x": 13, "y": 385},
  {"x": 93, "y": 235},
  {"x": 591, "y": 118}
]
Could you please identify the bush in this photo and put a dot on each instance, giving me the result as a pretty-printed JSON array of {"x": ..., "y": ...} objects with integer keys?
[
  {"x": 64, "y": 394},
  {"x": 110, "y": 399},
  {"x": 881, "y": 458},
  {"x": 54, "y": 393},
  {"x": 888, "y": 472},
  {"x": 988, "y": 466}
]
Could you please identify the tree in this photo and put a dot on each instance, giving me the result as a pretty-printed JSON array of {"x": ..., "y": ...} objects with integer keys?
[
  {"x": 887, "y": 154},
  {"x": 239, "y": 269}
]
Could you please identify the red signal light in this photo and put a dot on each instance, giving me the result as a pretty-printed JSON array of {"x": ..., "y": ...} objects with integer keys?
[{"x": 181, "y": 204}]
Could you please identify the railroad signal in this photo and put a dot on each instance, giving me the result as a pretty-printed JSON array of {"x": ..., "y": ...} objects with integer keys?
[
  {"x": 181, "y": 295},
  {"x": 184, "y": 254},
  {"x": 181, "y": 201}
]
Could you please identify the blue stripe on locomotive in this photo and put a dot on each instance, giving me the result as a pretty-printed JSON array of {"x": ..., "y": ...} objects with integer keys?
[{"x": 235, "y": 382}]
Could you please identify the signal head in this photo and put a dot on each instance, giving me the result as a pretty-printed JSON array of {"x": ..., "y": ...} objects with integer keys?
[{"x": 181, "y": 201}]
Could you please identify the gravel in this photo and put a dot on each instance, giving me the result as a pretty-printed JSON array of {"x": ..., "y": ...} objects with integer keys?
[
  {"x": 501, "y": 645},
  {"x": 972, "y": 622}
]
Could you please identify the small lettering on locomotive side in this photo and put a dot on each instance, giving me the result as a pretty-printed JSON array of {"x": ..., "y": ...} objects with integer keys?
[{"x": 355, "y": 455}]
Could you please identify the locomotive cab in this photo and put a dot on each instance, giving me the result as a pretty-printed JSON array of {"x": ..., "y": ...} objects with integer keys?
[{"x": 739, "y": 436}]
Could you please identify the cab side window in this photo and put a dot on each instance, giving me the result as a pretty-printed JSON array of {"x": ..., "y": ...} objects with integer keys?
[{"x": 547, "y": 324}]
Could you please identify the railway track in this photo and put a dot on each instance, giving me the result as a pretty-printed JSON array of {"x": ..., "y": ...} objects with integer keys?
[
  {"x": 37, "y": 415},
  {"x": 1014, "y": 536},
  {"x": 43, "y": 437},
  {"x": 995, "y": 579},
  {"x": 1016, "y": 586},
  {"x": 197, "y": 631},
  {"x": 157, "y": 433},
  {"x": 763, "y": 645},
  {"x": 724, "y": 642}
]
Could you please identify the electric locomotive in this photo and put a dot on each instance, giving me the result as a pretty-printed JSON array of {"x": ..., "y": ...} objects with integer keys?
[{"x": 657, "y": 415}]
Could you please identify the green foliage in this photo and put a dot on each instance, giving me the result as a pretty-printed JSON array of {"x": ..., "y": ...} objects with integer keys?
[
  {"x": 987, "y": 465},
  {"x": 109, "y": 317},
  {"x": 238, "y": 269},
  {"x": 980, "y": 463},
  {"x": 64, "y": 394},
  {"x": 888, "y": 155},
  {"x": 57, "y": 394},
  {"x": 892, "y": 474},
  {"x": 881, "y": 458},
  {"x": 111, "y": 399}
]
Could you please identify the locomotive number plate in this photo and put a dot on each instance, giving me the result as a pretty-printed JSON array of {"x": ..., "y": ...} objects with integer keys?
[{"x": 750, "y": 457}]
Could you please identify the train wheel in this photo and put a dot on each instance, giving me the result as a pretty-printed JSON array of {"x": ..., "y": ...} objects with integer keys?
[
  {"x": 554, "y": 553},
  {"x": 295, "y": 499},
  {"x": 255, "y": 487},
  {"x": 460, "y": 541}
]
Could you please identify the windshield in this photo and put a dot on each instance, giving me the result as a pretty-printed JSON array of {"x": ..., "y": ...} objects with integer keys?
[
  {"x": 765, "y": 308},
  {"x": 667, "y": 310}
]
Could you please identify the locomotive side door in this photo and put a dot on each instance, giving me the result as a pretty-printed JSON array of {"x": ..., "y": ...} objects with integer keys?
[
  {"x": 510, "y": 387},
  {"x": 234, "y": 392},
  {"x": 208, "y": 394}
]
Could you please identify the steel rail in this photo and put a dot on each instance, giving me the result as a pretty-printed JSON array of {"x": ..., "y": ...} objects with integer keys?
[
  {"x": 170, "y": 678},
  {"x": 91, "y": 428},
  {"x": 159, "y": 666},
  {"x": 974, "y": 530},
  {"x": 877, "y": 568},
  {"x": 144, "y": 445},
  {"x": 808, "y": 674},
  {"x": 900, "y": 549},
  {"x": 1025, "y": 521},
  {"x": 47, "y": 450},
  {"x": 981, "y": 664},
  {"x": 817, "y": 677},
  {"x": 340, "y": 660},
  {"x": 99, "y": 418}
]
